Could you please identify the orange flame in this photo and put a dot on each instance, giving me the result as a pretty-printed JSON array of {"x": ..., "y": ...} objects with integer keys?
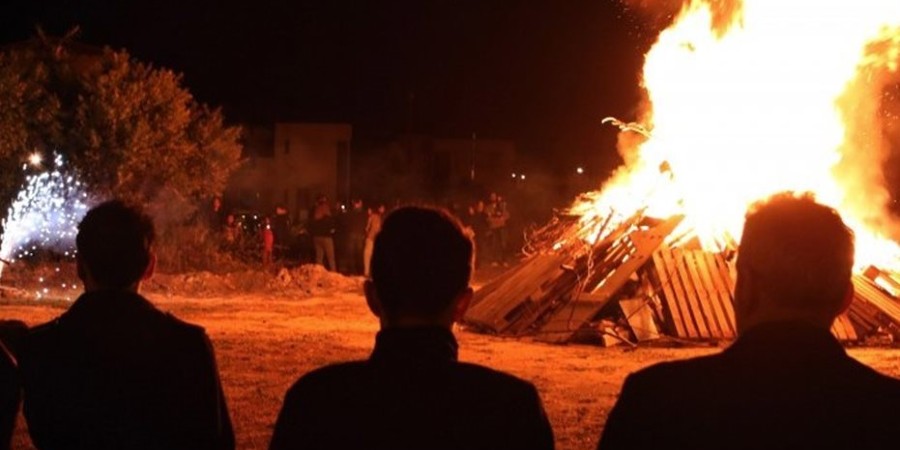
[{"x": 756, "y": 97}]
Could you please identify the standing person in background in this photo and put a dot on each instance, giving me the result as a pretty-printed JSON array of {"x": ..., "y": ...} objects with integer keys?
[
  {"x": 373, "y": 226},
  {"x": 215, "y": 215},
  {"x": 281, "y": 229},
  {"x": 357, "y": 221},
  {"x": 231, "y": 233},
  {"x": 497, "y": 216},
  {"x": 268, "y": 241},
  {"x": 322, "y": 227},
  {"x": 480, "y": 228}
]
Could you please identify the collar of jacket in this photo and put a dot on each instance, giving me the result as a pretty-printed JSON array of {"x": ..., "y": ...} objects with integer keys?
[
  {"x": 792, "y": 341},
  {"x": 425, "y": 345},
  {"x": 107, "y": 300}
]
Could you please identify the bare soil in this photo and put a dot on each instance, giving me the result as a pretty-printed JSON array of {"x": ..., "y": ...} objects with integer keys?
[{"x": 263, "y": 342}]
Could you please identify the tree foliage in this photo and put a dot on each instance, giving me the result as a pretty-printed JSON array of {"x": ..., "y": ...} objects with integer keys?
[{"x": 131, "y": 130}]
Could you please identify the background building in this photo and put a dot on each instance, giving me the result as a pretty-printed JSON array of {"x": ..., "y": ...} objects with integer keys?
[{"x": 290, "y": 164}]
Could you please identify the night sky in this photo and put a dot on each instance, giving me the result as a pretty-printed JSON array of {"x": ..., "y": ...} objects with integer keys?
[{"x": 543, "y": 73}]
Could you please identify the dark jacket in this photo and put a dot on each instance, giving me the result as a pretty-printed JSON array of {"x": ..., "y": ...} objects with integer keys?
[
  {"x": 779, "y": 386},
  {"x": 281, "y": 228},
  {"x": 323, "y": 226},
  {"x": 411, "y": 394},
  {"x": 9, "y": 396},
  {"x": 115, "y": 372}
]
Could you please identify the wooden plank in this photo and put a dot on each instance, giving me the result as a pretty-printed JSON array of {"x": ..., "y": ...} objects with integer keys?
[
  {"x": 726, "y": 300},
  {"x": 722, "y": 278},
  {"x": 697, "y": 267},
  {"x": 493, "y": 312},
  {"x": 843, "y": 329},
  {"x": 884, "y": 303},
  {"x": 726, "y": 273},
  {"x": 566, "y": 321},
  {"x": 837, "y": 329},
  {"x": 703, "y": 328},
  {"x": 864, "y": 315},
  {"x": 680, "y": 295},
  {"x": 668, "y": 294},
  {"x": 640, "y": 318}
]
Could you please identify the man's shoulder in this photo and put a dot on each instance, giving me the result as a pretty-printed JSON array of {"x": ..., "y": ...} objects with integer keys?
[
  {"x": 146, "y": 317},
  {"x": 683, "y": 372},
  {"x": 482, "y": 374},
  {"x": 330, "y": 374},
  {"x": 867, "y": 378},
  {"x": 325, "y": 380}
]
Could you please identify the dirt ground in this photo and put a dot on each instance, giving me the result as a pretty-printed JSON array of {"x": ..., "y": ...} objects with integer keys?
[{"x": 263, "y": 343}]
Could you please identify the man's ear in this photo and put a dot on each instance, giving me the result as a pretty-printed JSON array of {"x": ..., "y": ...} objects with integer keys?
[
  {"x": 372, "y": 298},
  {"x": 461, "y": 305},
  {"x": 79, "y": 267},
  {"x": 151, "y": 267}
]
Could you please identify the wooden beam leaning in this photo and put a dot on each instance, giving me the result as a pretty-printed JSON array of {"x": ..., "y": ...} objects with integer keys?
[
  {"x": 567, "y": 320},
  {"x": 680, "y": 299},
  {"x": 703, "y": 328},
  {"x": 883, "y": 302},
  {"x": 715, "y": 298},
  {"x": 703, "y": 295},
  {"x": 504, "y": 303},
  {"x": 672, "y": 305},
  {"x": 714, "y": 262}
]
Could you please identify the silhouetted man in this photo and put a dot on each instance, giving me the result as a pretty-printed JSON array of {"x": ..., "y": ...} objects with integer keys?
[
  {"x": 9, "y": 396},
  {"x": 11, "y": 334},
  {"x": 412, "y": 393},
  {"x": 785, "y": 383},
  {"x": 113, "y": 371}
]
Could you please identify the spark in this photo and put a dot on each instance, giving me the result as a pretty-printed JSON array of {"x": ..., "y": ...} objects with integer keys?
[{"x": 44, "y": 215}]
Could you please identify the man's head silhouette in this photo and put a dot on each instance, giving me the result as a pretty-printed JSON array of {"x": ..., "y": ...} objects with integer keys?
[
  {"x": 795, "y": 262},
  {"x": 421, "y": 268},
  {"x": 115, "y": 247}
]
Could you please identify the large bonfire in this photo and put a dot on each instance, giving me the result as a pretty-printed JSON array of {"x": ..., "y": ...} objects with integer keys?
[
  {"x": 749, "y": 98},
  {"x": 745, "y": 99}
]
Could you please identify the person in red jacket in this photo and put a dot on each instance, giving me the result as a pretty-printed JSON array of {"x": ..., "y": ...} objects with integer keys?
[{"x": 268, "y": 241}]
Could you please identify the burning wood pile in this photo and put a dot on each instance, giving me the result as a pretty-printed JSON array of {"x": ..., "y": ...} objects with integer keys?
[
  {"x": 738, "y": 107},
  {"x": 642, "y": 279}
]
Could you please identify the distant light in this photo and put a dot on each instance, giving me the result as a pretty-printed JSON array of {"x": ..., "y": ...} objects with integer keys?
[
  {"x": 523, "y": 176},
  {"x": 35, "y": 159},
  {"x": 579, "y": 171},
  {"x": 514, "y": 175}
]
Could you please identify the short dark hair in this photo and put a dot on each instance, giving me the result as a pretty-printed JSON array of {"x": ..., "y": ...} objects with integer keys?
[
  {"x": 421, "y": 262},
  {"x": 114, "y": 243},
  {"x": 800, "y": 251}
]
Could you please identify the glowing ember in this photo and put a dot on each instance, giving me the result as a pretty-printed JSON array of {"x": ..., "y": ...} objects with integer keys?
[
  {"x": 45, "y": 215},
  {"x": 780, "y": 95}
]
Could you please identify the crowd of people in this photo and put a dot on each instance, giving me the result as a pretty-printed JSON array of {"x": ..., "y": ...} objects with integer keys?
[
  {"x": 341, "y": 238},
  {"x": 338, "y": 238},
  {"x": 115, "y": 372}
]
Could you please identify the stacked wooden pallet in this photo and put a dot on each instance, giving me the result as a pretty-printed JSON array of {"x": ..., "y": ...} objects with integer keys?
[{"x": 632, "y": 277}]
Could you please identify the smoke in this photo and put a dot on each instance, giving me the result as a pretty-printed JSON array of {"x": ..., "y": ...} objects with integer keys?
[{"x": 659, "y": 14}]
